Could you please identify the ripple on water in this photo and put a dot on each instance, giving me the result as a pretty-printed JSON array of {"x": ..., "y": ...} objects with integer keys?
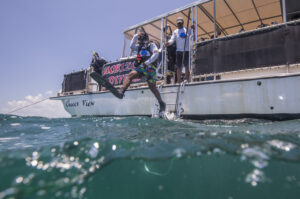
[
  {"x": 7, "y": 139},
  {"x": 45, "y": 127},
  {"x": 15, "y": 124},
  {"x": 285, "y": 146}
]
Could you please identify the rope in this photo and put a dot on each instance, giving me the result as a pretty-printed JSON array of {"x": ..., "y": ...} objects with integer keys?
[{"x": 27, "y": 106}]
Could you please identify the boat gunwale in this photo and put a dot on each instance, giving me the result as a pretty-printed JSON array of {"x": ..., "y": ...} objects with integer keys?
[{"x": 284, "y": 75}]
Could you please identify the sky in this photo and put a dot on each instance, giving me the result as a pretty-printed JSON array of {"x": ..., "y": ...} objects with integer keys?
[{"x": 41, "y": 40}]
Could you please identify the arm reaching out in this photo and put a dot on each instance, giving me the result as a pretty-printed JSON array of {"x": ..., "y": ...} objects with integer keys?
[
  {"x": 154, "y": 56},
  {"x": 133, "y": 45}
]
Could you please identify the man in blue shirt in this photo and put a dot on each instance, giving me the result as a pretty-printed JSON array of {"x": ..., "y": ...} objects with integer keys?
[{"x": 182, "y": 38}]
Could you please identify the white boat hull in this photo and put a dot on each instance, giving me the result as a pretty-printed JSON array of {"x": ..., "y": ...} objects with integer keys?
[{"x": 267, "y": 97}]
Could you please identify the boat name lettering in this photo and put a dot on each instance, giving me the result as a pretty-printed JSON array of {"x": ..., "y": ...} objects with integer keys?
[
  {"x": 88, "y": 103},
  {"x": 71, "y": 104}
]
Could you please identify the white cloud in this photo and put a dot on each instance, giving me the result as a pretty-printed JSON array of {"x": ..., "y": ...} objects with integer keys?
[
  {"x": 49, "y": 92},
  {"x": 47, "y": 108}
]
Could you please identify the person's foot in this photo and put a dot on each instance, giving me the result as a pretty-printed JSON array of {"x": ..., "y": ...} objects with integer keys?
[
  {"x": 162, "y": 107},
  {"x": 120, "y": 93}
]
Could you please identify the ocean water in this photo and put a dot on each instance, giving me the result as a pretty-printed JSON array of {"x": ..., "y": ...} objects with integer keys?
[{"x": 141, "y": 157}]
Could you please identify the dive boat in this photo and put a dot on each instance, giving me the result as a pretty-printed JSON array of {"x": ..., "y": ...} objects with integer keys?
[{"x": 244, "y": 62}]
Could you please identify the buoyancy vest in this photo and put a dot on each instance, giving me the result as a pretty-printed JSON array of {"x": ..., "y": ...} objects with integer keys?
[{"x": 144, "y": 53}]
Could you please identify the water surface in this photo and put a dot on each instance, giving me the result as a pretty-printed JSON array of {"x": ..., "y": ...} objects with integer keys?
[{"x": 141, "y": 157}]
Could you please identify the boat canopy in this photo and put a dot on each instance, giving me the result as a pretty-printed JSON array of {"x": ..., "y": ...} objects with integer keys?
[{"x": 225, "y": 18}]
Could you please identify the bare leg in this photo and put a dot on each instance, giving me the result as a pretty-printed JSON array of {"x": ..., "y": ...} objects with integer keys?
[
  {"x": 132, "y": 75},
  {"x": 187, "y": 73},
  {"x": 154, "y": 90},
  {"x": 174, "y": 77},
  {"x": 178, "y": 74}
]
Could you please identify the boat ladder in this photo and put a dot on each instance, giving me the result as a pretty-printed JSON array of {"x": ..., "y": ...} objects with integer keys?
[
  {"x": 179, "y": 99},
  {"x": 175, "y": 101}
]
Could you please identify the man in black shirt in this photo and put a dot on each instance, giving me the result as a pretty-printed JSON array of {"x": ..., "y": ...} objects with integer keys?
[{"x": 97, "y": 63}]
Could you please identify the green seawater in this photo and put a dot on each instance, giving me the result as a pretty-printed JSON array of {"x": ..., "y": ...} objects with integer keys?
[{"x": 141, "y": 157}]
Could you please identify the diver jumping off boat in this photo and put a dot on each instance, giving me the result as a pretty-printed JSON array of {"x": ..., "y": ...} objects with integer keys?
[{"x": 147, "y": 54}]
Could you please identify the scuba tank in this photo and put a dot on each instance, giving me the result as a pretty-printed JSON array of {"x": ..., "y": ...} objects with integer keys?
[{"x": 144, "y": 51}]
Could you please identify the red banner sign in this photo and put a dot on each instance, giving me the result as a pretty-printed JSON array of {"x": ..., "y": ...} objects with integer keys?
[{"x": 117, "y": 72}]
